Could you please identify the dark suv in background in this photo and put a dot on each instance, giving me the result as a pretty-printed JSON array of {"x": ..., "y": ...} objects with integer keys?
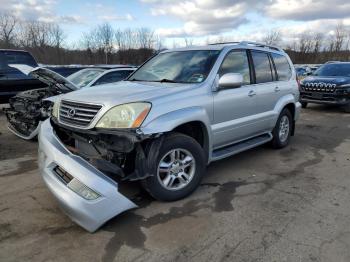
[
  {"x": 330, "y": 84},
  {"x": 12, "y": 80}
]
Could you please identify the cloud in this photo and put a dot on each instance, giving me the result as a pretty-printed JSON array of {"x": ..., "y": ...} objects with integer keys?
[
  {"x": 200, "y": 17},
  {"x": 308, "y": 10},
  {"x": 36, "y": 10},
  {"x": 113, "y": 18}
]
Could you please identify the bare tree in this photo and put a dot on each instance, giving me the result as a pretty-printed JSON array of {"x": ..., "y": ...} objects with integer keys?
[
  {"x": 8, "y": 25},
  {"x": 273, "y": 37},
  {"x": 188, "y": 41},
  {"x": 105, "y": 38}
]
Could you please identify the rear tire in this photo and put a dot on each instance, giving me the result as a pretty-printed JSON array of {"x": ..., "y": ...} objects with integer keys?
[
  {"x": 283, "y": 129},
  {"x": 347, "y": 108},
  {"x": 304, "y": 104},
  {"x": 178, "y": 170}
]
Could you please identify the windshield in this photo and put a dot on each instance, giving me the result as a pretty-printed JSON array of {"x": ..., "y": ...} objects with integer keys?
[
  {"x": 178, "y": 67},
  {"x": 333, "y": 70},
  {"x": 83, "y": 77}
]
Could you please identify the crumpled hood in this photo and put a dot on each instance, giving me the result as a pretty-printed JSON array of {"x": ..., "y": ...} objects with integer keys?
[
  {"x": 125, "y": 92},
  {"x": 47, "y": 76},
  {"x": 327, "y": 80}
]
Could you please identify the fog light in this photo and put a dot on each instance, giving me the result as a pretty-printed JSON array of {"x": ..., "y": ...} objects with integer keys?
[{"x": 82, "y": 190}]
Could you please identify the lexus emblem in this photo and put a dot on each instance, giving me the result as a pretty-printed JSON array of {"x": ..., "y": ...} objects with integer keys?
[{"x": 71, "y": 112}]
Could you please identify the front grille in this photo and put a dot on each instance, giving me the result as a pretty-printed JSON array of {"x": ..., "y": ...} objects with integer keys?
[
  {"x": 77, "y": 114},
  {"x": 319, "y": 87},
  {"x": 64, "y": 176}
]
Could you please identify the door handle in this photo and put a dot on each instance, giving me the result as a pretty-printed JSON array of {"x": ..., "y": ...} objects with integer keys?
[
  {"x": 277, "y": 89},
  {"x": 251, "y": 93}
]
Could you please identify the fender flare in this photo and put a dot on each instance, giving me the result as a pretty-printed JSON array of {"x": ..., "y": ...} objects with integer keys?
[{"x": 169, "y": 121}]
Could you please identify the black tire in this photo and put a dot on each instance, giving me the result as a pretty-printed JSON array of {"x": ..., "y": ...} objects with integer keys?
[
  {"x": 276, "y": 142},
  {"x": 304, "y": 104},
  {"x": 347, "y": 108},
  {"x": 174, "y": 141}
]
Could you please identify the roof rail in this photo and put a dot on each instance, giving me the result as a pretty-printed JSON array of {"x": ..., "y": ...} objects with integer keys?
[{"x": 246, "y": 43}]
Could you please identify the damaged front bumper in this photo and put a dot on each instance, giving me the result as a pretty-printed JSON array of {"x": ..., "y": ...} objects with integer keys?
[{"x": 90, "y": 214}]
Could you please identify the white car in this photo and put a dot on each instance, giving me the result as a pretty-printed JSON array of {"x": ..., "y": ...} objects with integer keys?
[{"x": 28, "y": 109}]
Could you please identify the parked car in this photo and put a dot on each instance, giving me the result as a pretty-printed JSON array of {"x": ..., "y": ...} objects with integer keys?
[
  {"x": 303, "y": 71},
  {"x": 180, "y": 111},
  {"x": 330, "y": 84},
  {"x": 28, "y": 109},
  {"x": 12, "y": 80}
]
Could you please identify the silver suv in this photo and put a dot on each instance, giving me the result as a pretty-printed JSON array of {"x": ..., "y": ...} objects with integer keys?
[{"x": 180, "y": 111}]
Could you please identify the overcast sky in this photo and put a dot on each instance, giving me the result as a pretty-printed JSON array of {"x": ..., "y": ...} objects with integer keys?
[{"x": 174, "y": 19}]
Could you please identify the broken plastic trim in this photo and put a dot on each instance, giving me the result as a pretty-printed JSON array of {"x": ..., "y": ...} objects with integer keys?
[{"x": 101, "y": 146}]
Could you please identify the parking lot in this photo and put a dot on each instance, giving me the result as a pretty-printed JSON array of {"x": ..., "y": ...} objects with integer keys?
[{"x": 261, "y": 205}]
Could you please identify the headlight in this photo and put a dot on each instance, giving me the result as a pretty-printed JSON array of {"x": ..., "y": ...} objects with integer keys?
[
  {"x": 55, "y": 109},
  {"x": 125, "y": 116},
  {"x": 82, "y": 190}
]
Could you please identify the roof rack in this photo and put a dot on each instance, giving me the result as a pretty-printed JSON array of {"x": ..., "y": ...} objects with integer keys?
[{"x": 248, "y": 43}]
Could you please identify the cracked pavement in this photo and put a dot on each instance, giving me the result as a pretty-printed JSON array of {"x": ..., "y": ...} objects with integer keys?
[{"x": 261, "y": 205}]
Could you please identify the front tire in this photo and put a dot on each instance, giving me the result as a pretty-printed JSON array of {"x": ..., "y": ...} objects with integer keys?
[
  {"x": 178, "y": 170},
  {"x": 303, "y": 104},
  {"x": 283, "y": 129},
  {"x": 347, "y": 108}
]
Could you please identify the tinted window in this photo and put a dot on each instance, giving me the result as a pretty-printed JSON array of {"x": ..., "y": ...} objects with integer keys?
[
  {"x": 262, "y": 67},
  {"x": 179, "y": 66},
  {"x": 236, "y": 62},
  {"x": 334, "y": 70},
  {"x": 113, "y": 77},
  {"x": 22, "y": 58},
  {"x": 282, "y": 66}
]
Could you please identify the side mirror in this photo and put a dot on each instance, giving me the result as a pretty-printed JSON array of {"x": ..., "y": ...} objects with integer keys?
[{"x": 230, "y": 80}]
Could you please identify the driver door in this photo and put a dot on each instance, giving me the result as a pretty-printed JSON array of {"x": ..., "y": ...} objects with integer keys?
[{"x": 234, "y": 108}]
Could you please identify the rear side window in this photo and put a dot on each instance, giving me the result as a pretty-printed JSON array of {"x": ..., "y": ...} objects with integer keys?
[
  {"x": 23, "y": 58},
  {"x": 262, "y": 66},
  {"x": 284, "y": 72},
  {"x": 113, "y": 77},
  {"x": 236, "y": 62}
]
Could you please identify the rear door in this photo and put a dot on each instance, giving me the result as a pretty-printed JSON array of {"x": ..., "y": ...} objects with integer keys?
[
  {"x": 265, "y": 82},
  {"x": 283, "y": 74}
]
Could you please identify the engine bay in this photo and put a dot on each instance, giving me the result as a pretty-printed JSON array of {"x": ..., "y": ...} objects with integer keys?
[{"x": 28, "y": 108}]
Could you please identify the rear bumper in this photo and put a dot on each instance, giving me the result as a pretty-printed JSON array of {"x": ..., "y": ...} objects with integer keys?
[
  {"x": 297, "y": 111},
  {"x": 90, "y": 214}
]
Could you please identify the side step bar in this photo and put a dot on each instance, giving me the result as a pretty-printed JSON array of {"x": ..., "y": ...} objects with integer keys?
[{"x": 241, "y": 146}]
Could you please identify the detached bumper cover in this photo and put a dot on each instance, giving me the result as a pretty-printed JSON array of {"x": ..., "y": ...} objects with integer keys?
[{"x": 90, "y": 214}]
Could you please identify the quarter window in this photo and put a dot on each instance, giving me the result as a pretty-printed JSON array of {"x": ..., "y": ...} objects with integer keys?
[
  {"x": 262, "y": 67},
  {"x": 236, "y": 62},
  {"x": 284, "y": 72}
]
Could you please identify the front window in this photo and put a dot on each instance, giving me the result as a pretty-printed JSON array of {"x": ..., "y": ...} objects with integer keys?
[
  {"x": 84, "y": 77},
  {"x": 333, "y": 70},
  {"x": 178, "y": 67}
]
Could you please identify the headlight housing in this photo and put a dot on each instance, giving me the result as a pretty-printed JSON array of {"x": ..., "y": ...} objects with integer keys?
[
  {"x": 125, "y": 116},
  {"x": 55, "y": 108}
]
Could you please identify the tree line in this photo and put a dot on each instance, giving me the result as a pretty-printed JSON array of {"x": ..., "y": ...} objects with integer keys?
[
  {"x": 101, "y": 45},
  {"x": 107, "y": 45}
]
